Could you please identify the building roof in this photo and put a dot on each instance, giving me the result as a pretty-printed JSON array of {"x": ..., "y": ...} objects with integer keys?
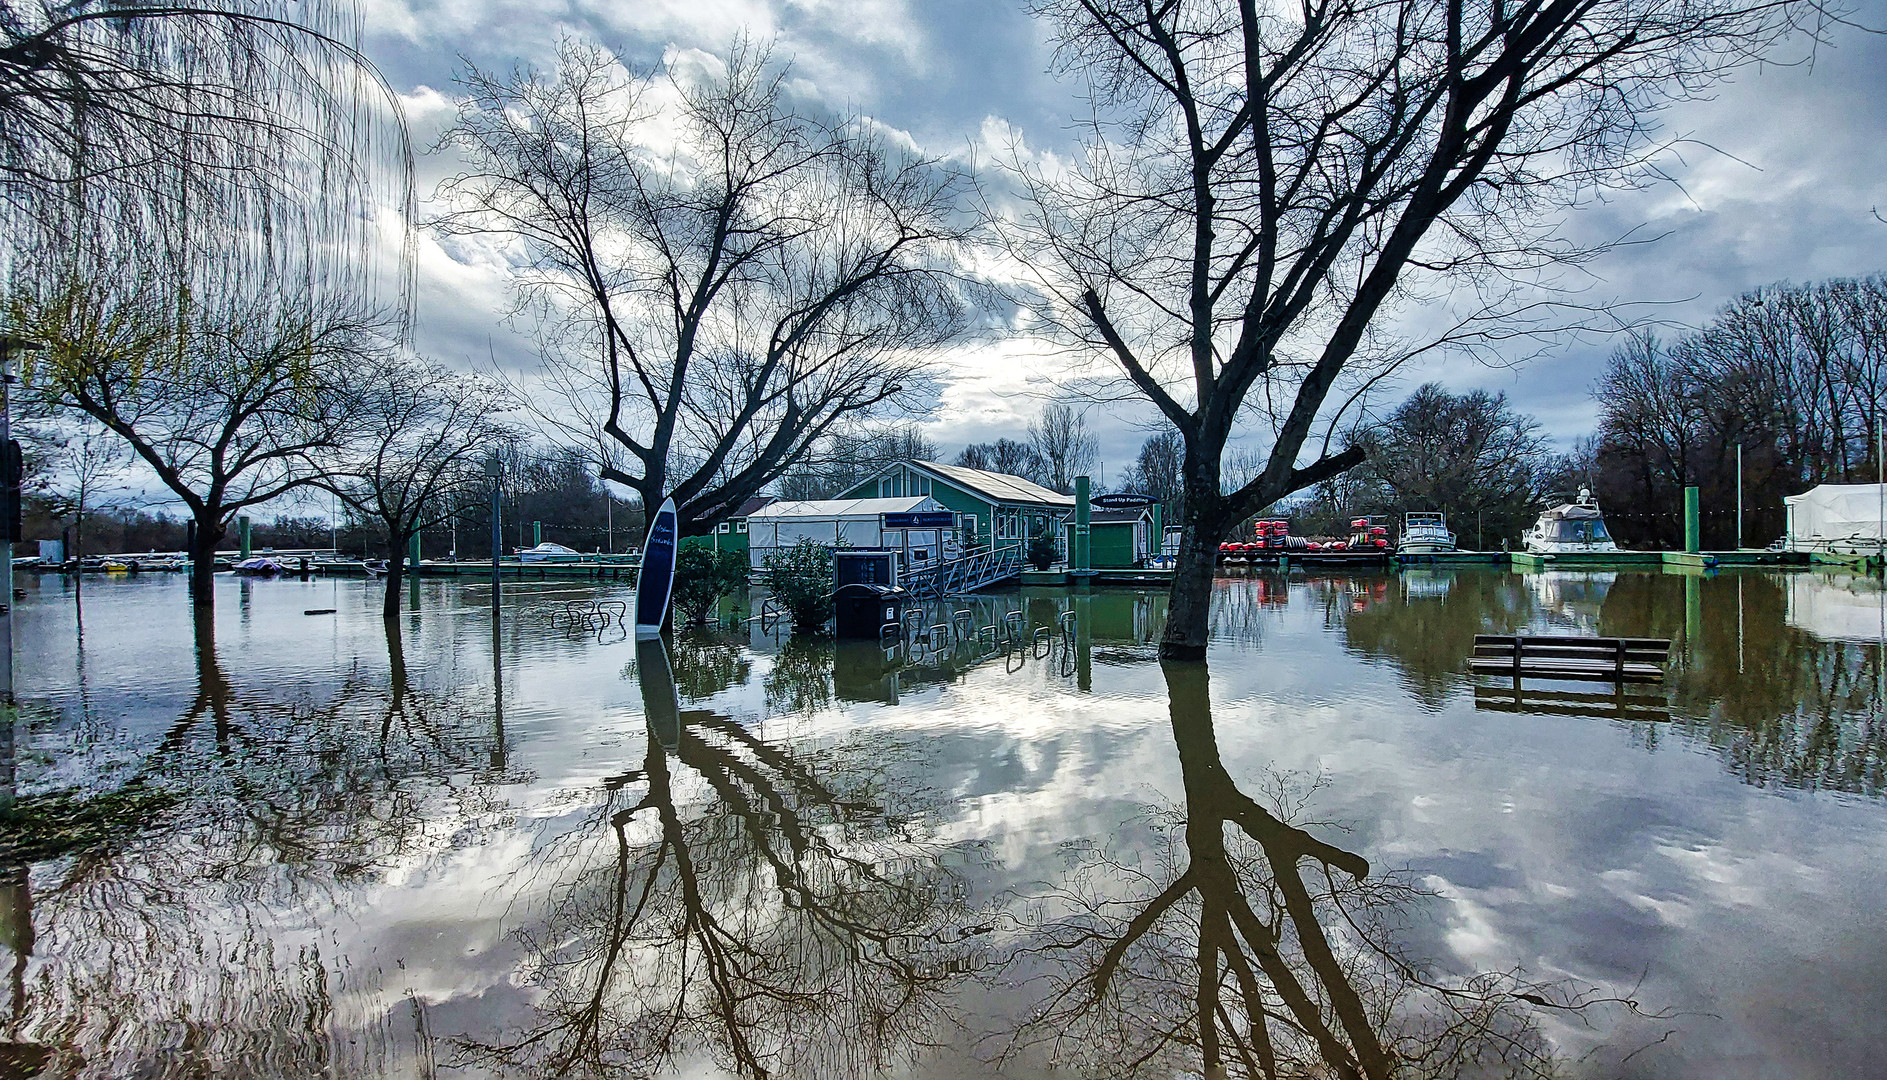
[
  {"x": 845, "y": 508},
  {"x": 995, "y": 486},
  {"x": 754, "y": 503}
]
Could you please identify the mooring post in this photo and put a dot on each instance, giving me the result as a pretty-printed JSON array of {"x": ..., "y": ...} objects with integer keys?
[
  {"x": 1693, "y": 521},
  {"x": 412, "y": 554},
  {"x": 242, "y": 532},
  {"x": 1082, "y": 565},
  {"x": 537, "y": 533}
]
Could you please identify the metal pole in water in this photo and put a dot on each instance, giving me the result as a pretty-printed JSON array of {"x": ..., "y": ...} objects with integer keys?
[
  {"x": 10, "y": 347},
  {"x": 494, "y": 469},
  {"x": 1739, "y": 496}
]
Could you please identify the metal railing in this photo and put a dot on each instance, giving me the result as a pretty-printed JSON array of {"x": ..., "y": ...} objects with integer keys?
[{"x": 966, "y": 574}]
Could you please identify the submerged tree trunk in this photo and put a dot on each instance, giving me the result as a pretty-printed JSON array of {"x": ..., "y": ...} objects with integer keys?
[
  {"x": 1189, "y": 606},
  {"x": 210, "y": 532},
  {"x": 396, "y": 575}
]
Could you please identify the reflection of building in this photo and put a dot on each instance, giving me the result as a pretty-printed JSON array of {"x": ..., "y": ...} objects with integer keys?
[
  {"x": 990, "y": 505},
  {"x": 1849, "y": 608}
]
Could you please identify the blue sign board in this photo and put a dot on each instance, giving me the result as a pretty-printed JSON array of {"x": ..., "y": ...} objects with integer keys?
[{"x": 936, "y": 519}]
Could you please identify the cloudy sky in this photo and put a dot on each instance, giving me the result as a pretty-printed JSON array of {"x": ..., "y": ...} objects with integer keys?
[{"x": 1778, "y": 175}]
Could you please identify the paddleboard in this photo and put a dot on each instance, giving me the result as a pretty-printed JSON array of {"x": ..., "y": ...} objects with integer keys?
[{"x": 655, "y": 580}]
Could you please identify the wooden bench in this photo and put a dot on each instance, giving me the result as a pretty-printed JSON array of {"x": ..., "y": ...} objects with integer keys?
[
  {"x": 1615, "y": 704},
  {"x": 1567, "y": 657}
]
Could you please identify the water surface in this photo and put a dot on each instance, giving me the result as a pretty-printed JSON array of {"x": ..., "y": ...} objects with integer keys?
[{"x": 546, "y": 852}]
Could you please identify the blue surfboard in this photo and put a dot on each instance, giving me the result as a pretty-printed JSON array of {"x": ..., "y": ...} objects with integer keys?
[{"x": 656, "y": 578}]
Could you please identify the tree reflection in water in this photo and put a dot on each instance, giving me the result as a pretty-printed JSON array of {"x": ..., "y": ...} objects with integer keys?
[
  {"x": 188, "y": 949},
  {"x": 1262, "y": 952},
  {"x": 769, "y": 907}
]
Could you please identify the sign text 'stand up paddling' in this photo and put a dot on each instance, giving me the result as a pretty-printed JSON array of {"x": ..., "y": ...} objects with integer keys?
[{"x": 656, "y": 579}]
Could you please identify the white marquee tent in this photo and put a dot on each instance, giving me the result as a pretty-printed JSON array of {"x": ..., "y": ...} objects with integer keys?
[
  {"x": 855, "y": 523},
  {"x": 1838, "y": 515}
]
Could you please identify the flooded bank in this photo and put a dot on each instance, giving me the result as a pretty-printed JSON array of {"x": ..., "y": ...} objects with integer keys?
[{"x": 446, "y": 851}]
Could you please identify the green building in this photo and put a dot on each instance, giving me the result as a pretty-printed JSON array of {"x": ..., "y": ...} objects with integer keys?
[
  {"x": 730, "y": 535},
  {"x": 992, "y": 508},
  {"x": 1117, "y": 539}
]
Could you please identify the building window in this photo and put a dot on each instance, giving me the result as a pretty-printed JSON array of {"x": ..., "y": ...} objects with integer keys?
[
  {"x": 723, "y": 527},
  {"x": 740, "y": 526}
]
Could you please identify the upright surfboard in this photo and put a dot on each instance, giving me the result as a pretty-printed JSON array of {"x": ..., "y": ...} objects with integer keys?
[{"x": 656, "y": 578}]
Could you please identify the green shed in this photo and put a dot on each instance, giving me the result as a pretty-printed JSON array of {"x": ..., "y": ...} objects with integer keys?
[{"x": 1118, "y": 539}]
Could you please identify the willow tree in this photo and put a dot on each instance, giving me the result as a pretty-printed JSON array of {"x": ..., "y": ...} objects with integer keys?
[
  {"x": 209, "y": 211},
  {"x": 1264, "y": 183},
  {"x": 720, "y": 279}
]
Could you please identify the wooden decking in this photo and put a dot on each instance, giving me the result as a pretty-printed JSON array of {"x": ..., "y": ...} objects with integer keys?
[{"x": 1619, "y": 660}]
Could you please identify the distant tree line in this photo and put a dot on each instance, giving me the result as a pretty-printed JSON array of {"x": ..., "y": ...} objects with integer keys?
[
  {"x": 1795, "y": 375},
  {"x": 1471, "y": 456},
  {"x": 1058, "y": 449}
]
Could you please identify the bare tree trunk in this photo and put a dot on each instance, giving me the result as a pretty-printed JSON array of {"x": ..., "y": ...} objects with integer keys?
[
  {"x": 1189, "y": 608},
  {"x": 396, "y": 575},
  {"x": 210, "y": 533}
]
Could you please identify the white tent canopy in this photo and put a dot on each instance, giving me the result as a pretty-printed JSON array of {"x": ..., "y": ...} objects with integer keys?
[
  {"x": 1836, "y": 514},
  {"x": 845, "y": 523}
]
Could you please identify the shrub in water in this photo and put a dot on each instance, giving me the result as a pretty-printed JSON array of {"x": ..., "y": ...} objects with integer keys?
[
  {"x": 801, "y": 578},
  {"x": 703, "y": 576}
]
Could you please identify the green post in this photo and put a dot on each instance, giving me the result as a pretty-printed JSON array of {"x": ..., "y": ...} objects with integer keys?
[
  {"x": 1693, "y": 521},
  {"x": 537, "y": 533},
  {"x": 1159, "y": 533},
  {"x": 412, "y": 553},
  {"x": 1080, "y": 552},
  {"x": 242, "y": 533}
]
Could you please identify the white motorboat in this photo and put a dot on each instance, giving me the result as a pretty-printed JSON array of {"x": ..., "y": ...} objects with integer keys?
[
  {"x": 1425, "y": 532},
  {"x": 1570, "y": 528},
  {"x": 549, "y": 552}
]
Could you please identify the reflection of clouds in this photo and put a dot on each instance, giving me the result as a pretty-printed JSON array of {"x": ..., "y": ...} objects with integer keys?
[{"x": 1554, "y": 843}]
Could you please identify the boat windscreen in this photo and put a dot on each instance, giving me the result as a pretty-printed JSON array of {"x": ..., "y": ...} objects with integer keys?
[{"x": 1584, "y": 531}]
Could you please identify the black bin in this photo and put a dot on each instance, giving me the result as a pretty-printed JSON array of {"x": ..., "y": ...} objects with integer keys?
[{"x": 863, "y": 609}]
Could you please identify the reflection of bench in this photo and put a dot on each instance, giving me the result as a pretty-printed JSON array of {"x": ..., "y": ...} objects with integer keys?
[
  {"x": 1564, "y": 657},
  {"x": 1617, "y": 705}
]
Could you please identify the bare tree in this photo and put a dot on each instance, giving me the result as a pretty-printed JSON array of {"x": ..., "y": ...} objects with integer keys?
[
  {"x": 227, "y": 405},
  {"x": 720, "y": 283},
  {"x": 1262, "y": 184},
  {"x": 1060, "y": 439},
  {"x": 84, "y": 462},
  {"x": 1005, "y": 456},
  {"x": 414, "y": 450},
  {"x": 1160, "y": 471}
]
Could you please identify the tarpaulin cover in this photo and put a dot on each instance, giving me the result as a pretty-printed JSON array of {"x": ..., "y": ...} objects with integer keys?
[{"x": 1835, "y": 512}]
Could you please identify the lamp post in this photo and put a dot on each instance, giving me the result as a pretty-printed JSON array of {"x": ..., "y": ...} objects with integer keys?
[{"x": 11, "y": 347}]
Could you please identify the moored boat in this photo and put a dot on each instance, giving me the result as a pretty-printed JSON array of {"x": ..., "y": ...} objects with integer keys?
[
  {"x": 259, "y": 567},
  {"x": 549, "y": 552},
  {"x": 1570, "y": 528},
  {"x": 1425, "y": 532}
]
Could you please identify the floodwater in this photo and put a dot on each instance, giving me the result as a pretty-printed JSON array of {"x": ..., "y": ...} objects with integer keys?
[{"x": 549, "y": 853}]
